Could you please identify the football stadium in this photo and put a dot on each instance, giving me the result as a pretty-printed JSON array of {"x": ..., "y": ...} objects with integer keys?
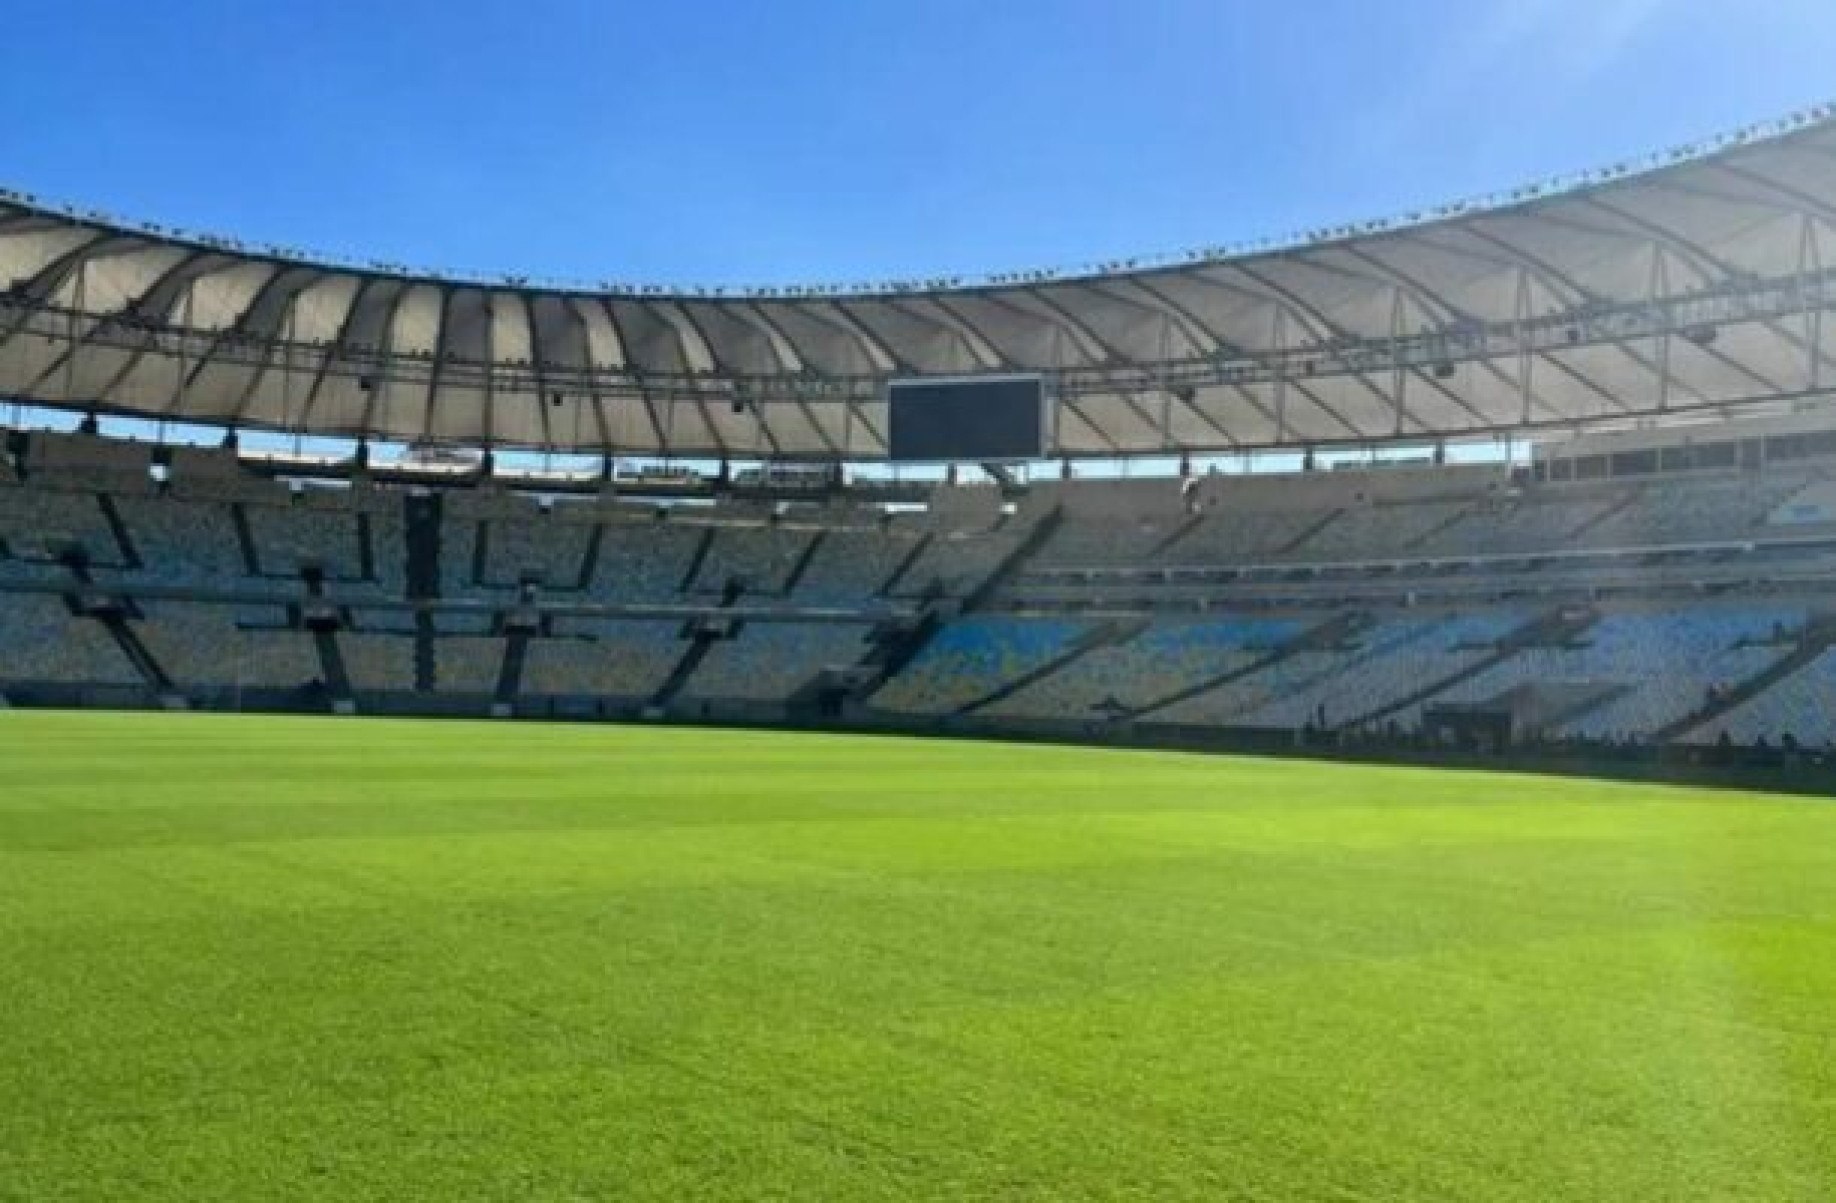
[{"x": 1349, "y": 717}]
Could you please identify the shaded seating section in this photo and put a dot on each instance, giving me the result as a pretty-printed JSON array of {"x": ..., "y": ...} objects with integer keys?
[
  {"x": 462, "y": 622},
  {"x": 1802, "y": 706},
  {"x": 1231, "y": 536},
  {"x": 644, "y": 561},
  {"x": 1160, "y": 661},
  {"x": 181, "y": 542},
  {"x": 468, "y": 663},
  {"x": 1376, "y": 532},
  {"x": 388, "y": 545},
  {"x": 42, "y": 642},
  {"x": 772, "y": 660},
  {"x": 851, "y": 565},
  {"x": 545, "y": 548},
  {"x": 379, "y": 619},
  {"x": 294, "y": 537},
  {"x": 971, "y": 657},
  {"x": 43, "y": 525},
  {"x": 959, "y": 561},
  {"x": 377, "y": 662},
  {"x": 201, "y": 645},
  {"x": 593, "y": 657},
  {"x": 759, "y": 558},
  {"x": 279, "y": 659},
  {"x": 1097, "y": 541},
  {"x": 1519, "y": 524},
  {"x": 195, "y": 644},
  {"x": 1696, "y": 511}
]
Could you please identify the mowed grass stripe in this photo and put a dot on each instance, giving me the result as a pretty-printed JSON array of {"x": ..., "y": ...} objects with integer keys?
[{"x": 260, "y": 958}]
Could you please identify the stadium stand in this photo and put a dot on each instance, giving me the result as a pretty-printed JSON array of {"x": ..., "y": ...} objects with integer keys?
[
  {"x": 768, "y": 661},
  {"x": 973, "y": 657},
  {"x": 1800, "y": 709},
  {"x": 42, "y": 641},
  {"x": 602, "y": 658},
  {"x": 1373, "y": 602},
  {"x": 1161, "y": 660}
]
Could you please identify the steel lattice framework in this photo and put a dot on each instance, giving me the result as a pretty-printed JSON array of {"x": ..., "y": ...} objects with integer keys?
[{"x": 1697, "y": 282}]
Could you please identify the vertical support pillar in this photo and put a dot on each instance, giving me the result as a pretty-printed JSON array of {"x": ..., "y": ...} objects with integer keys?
[
  {"x": 1166, "y": 394},
  {"x": 1282, "y": 367},
  {"x": 1525, "y": 360},
  {"x": 1810, "y": 260},
  {"x": 1399, "y": 374},
  {"x": 79, "y": 300},
  {"x": 1657, "y": 287}
]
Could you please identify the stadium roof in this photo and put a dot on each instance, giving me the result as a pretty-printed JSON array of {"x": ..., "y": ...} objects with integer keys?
[{"x": 1696, "y": 281}]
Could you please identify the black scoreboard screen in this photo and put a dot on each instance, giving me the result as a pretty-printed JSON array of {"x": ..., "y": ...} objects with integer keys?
[{"x": 968, "y": 419}]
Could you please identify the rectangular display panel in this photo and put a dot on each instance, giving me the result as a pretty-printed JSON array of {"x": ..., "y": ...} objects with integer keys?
[{"x": 967, "y": 419}]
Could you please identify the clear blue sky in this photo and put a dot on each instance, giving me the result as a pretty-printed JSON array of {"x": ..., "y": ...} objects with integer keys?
[{"x": 795, "y": 140}]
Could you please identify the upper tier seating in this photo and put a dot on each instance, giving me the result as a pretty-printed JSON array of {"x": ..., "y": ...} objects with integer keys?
[
  {"x": 645, "y": 561},
  {"x": 546, "y": 549},
  {"x": 43, "y": 525},
  {"x": 181, "y": 542},
  {"x": 758, "y": 558},
  {"x": 959, "y": 562},
  {"x": 1695, "y": 511},
  {"x": 851, "y": 566},
  {"x": 1232, "y": 536},
  {"x": 290, "y": 539}
]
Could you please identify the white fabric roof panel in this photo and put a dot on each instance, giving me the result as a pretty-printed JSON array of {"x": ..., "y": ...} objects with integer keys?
[{"x": 1290, "y": 345}]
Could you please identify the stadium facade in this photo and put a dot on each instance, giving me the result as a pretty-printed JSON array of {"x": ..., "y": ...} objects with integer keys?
[{"x": 1658, "y": 574}]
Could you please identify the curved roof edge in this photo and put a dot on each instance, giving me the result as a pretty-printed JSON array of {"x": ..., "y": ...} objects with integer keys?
[{"x": 1523, "y": 197}]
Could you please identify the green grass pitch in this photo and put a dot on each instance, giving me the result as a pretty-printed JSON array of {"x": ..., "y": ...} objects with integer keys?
[{"x": 255, "y": 959}]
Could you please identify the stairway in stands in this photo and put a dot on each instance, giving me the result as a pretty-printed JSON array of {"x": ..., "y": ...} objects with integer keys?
[
  {"x": 1330, "y": 633},
  {"x": 157, "y": 681},
  {"x": 1105, "y": 634},
  {"x": 1555, "y": 627},
  {"x": 1011, "y": 563},
  {"x": 919, "y": 547},
  {"x": 804, "y": 559},
  {"x": 702, "y": 637},
  {"x": 1815, "y": 639},
  {"x": 331, "y": 668}
]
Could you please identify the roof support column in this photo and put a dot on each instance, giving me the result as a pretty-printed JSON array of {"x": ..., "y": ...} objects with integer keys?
[
  {"x": 287, "y": 415},
  {"x": 184, "y": 358},
  {"x": 1810, "y": 259},
  {"x": 1281, "y": 374},
  {"x": 1166, "y": 394},
  {"x": 1526, "y": 361},
  {"x": 1399, "y": 374},
  {"x": 1657, "y": 286},
  {"x": 79, "y": 299}
]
